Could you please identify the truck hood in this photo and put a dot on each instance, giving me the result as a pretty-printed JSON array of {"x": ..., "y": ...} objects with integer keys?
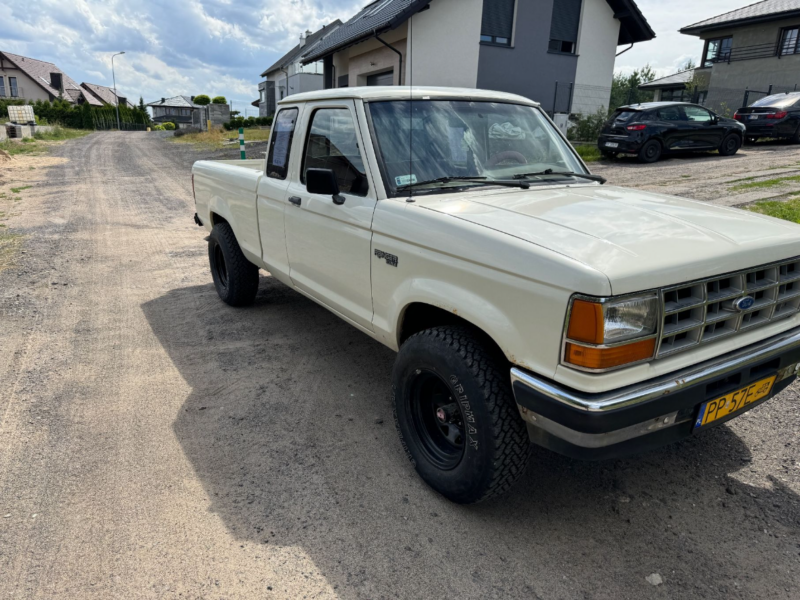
[{"x": 639, "y": 240}]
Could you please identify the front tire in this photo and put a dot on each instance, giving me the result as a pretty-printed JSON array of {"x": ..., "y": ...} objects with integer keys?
[
  {"x": 650, "y": 152},
  {"x": 730, "y": 145},
  {"x": 235, "y": 277},
  {"x": 456, "y": 415}
]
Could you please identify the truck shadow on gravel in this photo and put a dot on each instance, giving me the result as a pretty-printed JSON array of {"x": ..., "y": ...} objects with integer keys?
[{"x": 289, "y": 428}]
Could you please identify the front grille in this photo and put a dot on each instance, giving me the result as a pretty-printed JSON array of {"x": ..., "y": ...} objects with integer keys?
[{"x": 703, "y": 311}]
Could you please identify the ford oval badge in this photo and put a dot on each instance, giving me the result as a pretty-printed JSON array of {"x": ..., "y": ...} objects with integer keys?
[{"x": 744, "y": 303}]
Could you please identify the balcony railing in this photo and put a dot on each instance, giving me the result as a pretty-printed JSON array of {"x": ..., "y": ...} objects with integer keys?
[
  {"x": 753, "y": 52},
  {"x": 18, "y": 93}
]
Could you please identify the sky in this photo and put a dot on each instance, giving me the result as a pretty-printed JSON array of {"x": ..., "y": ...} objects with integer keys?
[{"x": 220, "y": 47}]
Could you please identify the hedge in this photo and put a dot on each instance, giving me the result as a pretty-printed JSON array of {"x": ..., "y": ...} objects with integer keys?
[
  {"x": 83, "y": 116},
  {"x": 238, "y": 122}
]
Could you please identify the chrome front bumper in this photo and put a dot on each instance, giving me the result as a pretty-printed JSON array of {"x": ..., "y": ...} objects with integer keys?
[{"x": 577, "y": 423}]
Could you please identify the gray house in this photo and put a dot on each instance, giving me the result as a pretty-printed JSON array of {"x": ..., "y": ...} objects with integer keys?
[
  {"x": 750, "y": 52},
  {"x": 558, "y": 52},
  {"x": 179, "y": 109},
  {"x": 289, "y": 75}
]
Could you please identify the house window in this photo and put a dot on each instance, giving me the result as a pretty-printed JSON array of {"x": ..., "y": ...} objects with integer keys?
[
  {"x": 2, "y": 87},
  {"x": 12, "y": 83},
  {"x": 564, "y": 26},
  {"x": 789, "y": 40},
  {"x": 497, "y": 25},
  {"x": 718, "y": 50},
  {"x": 675, "y": 95}
]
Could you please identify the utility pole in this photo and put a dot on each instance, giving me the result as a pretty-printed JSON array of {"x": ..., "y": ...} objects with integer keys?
[{"x": 114, "y": 77}]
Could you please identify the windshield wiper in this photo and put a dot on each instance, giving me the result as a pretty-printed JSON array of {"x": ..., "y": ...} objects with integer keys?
[
  {"x": 562, "y": 173},
  {"x": 480, "y": 180}
]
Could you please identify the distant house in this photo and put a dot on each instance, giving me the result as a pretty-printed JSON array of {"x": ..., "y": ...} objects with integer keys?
[
  {"x": 560, "y": 53},
  {"x": 30, "y": 79},
  {"x": 749, "y": 52},
  {"x": 179, "y": 109},
  {"x": 106, "y": 95},
  {"x": 679, "y": 87},
  {"x": 289, "y": 76}
]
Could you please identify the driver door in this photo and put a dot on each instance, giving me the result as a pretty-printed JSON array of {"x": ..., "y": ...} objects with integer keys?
[{"x": 329, "y": 244}]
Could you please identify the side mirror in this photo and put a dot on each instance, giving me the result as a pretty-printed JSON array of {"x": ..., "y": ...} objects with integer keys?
[{"x": 322, "y": 181}]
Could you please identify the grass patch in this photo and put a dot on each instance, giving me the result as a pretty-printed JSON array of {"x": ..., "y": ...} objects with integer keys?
[
  {"x": 767, "y": 183},
  {"x": 588, "y": 152},
  {"x": 10, "y": 243},
  {"x": 39, "y": 141},
  {"x": 788, "y": 211},
  {"x": 19, "y": 189},
  {"x": 219, "y": 138}
]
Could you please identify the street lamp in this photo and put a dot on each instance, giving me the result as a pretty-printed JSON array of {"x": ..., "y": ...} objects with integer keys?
[{"x": 116, "y": 98}]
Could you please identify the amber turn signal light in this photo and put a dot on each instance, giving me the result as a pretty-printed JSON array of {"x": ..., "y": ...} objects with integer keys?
[
  {"x": 607, "y": 358},
  {"x": 586, "y": 322}
]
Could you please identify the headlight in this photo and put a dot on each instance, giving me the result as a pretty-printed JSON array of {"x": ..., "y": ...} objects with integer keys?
[{"x": 606, "y": 333}]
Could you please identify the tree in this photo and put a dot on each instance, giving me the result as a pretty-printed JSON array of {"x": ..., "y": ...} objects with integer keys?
[
  {"x": 202, "y": 100},
  {"x": 141, "y": 104},
  {"x": 688, "y": 65},
  {"x": 219, "y": 100},
  {"x": 625, "y": 88}
]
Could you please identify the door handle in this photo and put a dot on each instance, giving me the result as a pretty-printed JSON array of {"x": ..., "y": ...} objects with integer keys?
[{"x": 296, "y": 200}]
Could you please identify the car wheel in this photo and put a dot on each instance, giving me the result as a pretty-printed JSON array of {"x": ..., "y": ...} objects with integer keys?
[
  {"x": 456, "y": 415},
  {"x": 730, "y": 145},
  {"x": 650, "y": 152},
  {"x": 235, "y": 277}
]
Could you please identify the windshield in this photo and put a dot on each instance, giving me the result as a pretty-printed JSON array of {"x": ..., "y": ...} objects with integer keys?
[{"x": 451, "y": 139}]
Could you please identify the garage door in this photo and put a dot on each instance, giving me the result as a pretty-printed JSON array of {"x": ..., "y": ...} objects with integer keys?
[{"x": 381, "y": 79}]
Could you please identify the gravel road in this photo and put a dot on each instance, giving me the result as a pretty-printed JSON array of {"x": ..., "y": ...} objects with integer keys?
[{"x": 155, "y": 443}]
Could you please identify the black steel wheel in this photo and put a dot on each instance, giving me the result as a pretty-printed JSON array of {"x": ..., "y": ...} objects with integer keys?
[
  {"x": 456, "y": 414},
  {"x": 730, "y": 145},
  {"x": 235, "y": 277},
  {"x": 650, "y": 152},
  {"x": 437, "y": 419}
]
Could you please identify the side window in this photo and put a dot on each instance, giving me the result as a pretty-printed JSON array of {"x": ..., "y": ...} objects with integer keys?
[
  {"x": 696, "y": 114},
  {"x": 332, "y": 144},
  {"x": 281, "y": 144},
  {"x": 669, "y": 113}
]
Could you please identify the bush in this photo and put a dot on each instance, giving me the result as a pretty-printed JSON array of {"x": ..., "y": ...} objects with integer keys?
[
  {"x": 227, "y": 126},
  {"x": 586, "y": 128},
  {"x": 169, "y": 126},
  {"x": 219, "y": 100},
  {"x": 158, "y": 128},
  {"x": 202, "y": 100}
]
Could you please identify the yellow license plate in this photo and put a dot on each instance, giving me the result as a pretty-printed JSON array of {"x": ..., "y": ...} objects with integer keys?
[{"x": 714, "y": 410}]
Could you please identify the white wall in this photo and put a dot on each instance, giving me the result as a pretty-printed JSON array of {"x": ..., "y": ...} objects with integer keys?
[
  {"x": 444, "y": 44},
  {"x": 597, "y": 47}
]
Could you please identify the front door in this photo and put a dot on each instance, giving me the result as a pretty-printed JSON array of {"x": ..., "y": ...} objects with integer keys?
[
  {"x": 704, "y": 129},
  {"x": 328, "y": 243}
]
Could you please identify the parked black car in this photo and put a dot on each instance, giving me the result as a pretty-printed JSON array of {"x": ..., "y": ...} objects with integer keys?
[
  {"x": 776, "y": 117},
  {"x": 653, "y": 129}
]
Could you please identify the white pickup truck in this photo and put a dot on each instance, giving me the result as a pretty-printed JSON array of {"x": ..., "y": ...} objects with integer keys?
[{"x": 528, "y": 302}]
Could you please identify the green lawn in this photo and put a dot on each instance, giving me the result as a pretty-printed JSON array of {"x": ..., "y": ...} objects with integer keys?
[{"x": 588, "y": 152}]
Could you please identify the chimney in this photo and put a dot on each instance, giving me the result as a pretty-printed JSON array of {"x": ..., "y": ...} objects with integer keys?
[
  {"x": 163, "y": 100},
  {"x": 302, "y": 40}
]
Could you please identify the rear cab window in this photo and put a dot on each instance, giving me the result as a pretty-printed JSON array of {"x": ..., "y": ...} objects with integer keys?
[
  {"x": 624, "y": 116},
  {"x": 280, "y": 146}
]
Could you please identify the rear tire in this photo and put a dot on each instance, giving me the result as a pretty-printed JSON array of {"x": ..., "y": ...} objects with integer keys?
[
  {"x": 730, "y": 145},
  {"x": 456, "y": 415},
  {"x": 650, "y": 152},
  {"x": 235, "y": 277}
]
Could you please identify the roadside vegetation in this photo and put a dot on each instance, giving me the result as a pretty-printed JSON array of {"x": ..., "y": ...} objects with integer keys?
[
  {"x": 41, "y": 140},
  {"x": 10, "y": 244},
  {"x": 750, "y": 184},
  {"x": 588, "y": 152},
  {"x": 219, "y": 138}
]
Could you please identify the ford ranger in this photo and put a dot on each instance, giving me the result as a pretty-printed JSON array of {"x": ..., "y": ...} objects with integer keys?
[{"x": 527, "y": 301}]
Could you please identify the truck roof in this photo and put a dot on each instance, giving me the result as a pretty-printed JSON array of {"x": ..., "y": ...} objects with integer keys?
[{"x": 404, "y": 93}]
